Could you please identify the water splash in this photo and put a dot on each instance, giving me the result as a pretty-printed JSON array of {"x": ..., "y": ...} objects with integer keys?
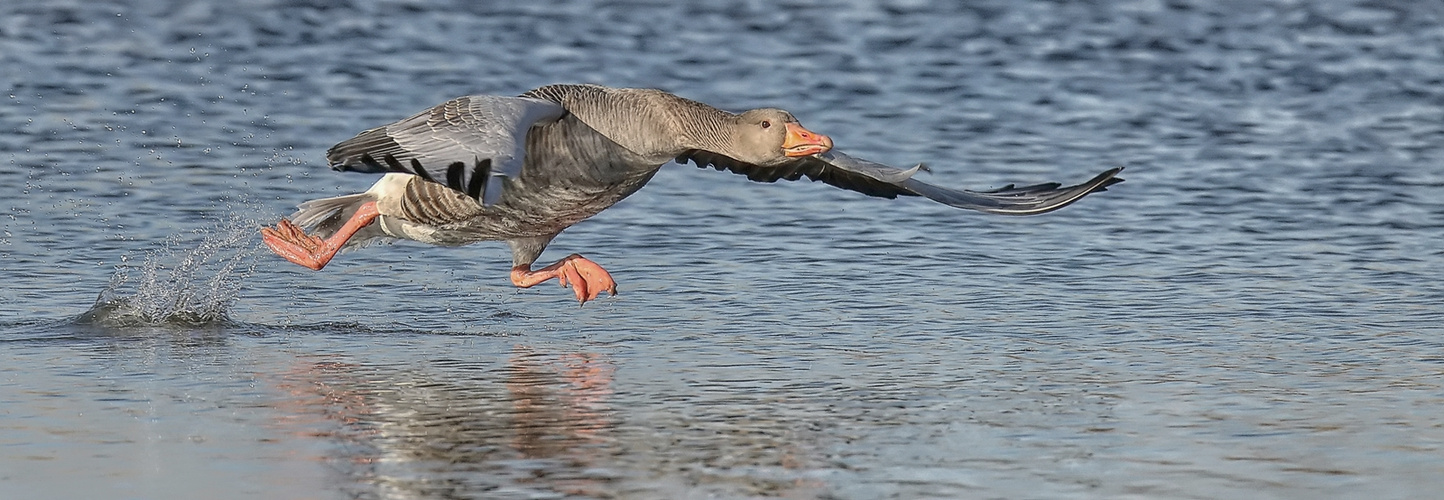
[{"x": 193, "y": 280}]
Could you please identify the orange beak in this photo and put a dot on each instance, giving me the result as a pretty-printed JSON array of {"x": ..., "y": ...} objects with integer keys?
[{"x": 803, "y": 142}]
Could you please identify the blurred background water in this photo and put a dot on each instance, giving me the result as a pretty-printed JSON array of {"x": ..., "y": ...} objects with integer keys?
[{"x": 1255, "y": 313}]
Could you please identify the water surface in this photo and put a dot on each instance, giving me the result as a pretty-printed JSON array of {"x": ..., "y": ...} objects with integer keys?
[{"x": 1254, "y": 313}]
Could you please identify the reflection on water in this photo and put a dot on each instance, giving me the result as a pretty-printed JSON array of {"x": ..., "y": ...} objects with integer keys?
[
  {"x": 578, "y": 408},
  {"x": 539, "y": 423},
  {"x": 536, "y": 423}
]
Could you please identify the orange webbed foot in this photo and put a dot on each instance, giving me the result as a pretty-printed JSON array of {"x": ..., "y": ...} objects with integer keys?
[
  {"x": 586, "y": 279},
  {"x": 293, "y": 244}
]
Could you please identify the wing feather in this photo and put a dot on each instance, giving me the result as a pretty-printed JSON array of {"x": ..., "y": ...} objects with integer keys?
[
  {"x": 486, "y": 132},
  {"x": 875, "y": 179}
]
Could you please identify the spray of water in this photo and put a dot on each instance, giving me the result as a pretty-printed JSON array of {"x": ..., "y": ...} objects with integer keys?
[{"x": 192, "y": 280}]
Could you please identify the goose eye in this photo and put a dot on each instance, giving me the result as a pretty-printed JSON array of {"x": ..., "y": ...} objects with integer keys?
[{"x": 766, "y": 124}]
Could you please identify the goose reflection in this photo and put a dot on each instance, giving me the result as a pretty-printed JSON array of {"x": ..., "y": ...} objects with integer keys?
[
  {"x": 539, "y": 422},
  {"x": 559, "y": 403}
]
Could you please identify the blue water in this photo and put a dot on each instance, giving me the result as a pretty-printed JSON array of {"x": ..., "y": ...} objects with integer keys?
[{"x": 1255, "y": 313}]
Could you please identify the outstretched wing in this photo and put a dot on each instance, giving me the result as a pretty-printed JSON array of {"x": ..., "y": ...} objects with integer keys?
[
  {"x": 463, "y": 143},
  {"x": 875, "y": 179}
]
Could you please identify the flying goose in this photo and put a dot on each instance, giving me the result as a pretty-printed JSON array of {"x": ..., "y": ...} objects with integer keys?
[{"x": 522, "y": 169}]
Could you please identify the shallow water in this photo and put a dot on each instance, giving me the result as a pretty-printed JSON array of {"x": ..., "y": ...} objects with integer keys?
[{"x": 1255, "y": 313}]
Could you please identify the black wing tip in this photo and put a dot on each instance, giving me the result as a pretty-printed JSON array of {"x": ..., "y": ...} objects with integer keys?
[
  {"x": 361, "y": 153},
  {"x": 364, "y": 163},
  {"x": 1098, "y": 183},
  {"x": 480, "y": 176},
  {"x": 1036, "y": 199},
  {"x": 1105, "y": 179}
]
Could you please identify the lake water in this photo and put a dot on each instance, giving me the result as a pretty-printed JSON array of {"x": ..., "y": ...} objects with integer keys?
[{"x": 1258, "y": 312}]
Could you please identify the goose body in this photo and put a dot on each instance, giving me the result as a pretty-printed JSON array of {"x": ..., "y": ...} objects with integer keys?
[{"x": 523, "y": 169}]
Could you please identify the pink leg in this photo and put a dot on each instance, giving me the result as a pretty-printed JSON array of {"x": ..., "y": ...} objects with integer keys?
[
  {"x": 289, "y": 241},
  {"x": 586, "y": 278}
]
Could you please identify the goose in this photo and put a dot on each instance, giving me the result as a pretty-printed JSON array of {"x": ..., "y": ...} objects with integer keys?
[{"x": 523, "y": 169}]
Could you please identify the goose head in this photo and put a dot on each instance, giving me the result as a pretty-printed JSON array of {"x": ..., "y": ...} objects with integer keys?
[{"x": 771, "y": 136}]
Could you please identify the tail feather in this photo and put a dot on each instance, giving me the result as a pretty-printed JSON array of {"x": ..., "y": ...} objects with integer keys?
[
  {"x": 325, "y": 216},
  {"x": 314, "y": 214}
]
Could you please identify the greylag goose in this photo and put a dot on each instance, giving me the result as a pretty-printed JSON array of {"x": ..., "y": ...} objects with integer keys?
[{"x": 522, "y": 169}]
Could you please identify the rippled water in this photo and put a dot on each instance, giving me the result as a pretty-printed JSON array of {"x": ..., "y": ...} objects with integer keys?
[{"x": 1255, "y": 313}]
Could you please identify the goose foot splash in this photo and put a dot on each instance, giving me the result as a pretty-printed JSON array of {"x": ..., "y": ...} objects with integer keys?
[
  {"x": 586, "y": 278},
  {"x": 291, "y": 242}
]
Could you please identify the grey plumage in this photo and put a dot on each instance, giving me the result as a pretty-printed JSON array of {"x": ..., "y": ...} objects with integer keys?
[{"x": 522, "y": 169}]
